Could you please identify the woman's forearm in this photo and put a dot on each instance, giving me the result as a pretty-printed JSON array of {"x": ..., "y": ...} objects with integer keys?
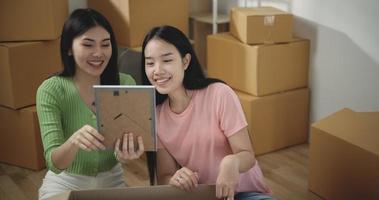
[
  {"x": 244, "y": 160},
  {"x": 64, "y": 155}
]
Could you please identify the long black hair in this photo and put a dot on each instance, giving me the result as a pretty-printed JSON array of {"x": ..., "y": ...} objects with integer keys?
[
  {"x": 194, "y": 77},
  {"x": 80, "y": 21}
]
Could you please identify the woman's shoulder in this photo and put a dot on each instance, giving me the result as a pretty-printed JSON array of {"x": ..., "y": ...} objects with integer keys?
[
  {"x": 55, "y": 86},
  {"x": 219, "y": 88},
  {"x": 53, "y": 83},
  {"x": 126, "y": 79}
]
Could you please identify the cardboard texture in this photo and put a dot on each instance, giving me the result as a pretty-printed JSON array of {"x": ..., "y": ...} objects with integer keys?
[
  {"x": 23, "y": 67},
  {"x": 344, "y": 156},
  {"x": 132, "y": 19},
  {"x": 276, "y": 121},
  {"x": 122, "y": 110},
  {"x": 200, "y": 32},
  {"x": 199, "y": 6},
  {"x": 258, "y": 69},
  {"x": 20, "y": 138},
  {"x": 162, "y": 192},
  {"x": 261, "y": 25},
  {"x": 25, "y": 20}
]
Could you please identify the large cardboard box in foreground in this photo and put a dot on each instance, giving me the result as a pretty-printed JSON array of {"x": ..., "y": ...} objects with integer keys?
[
  {"x": 25, "y": 20},
  {"x": 344, "y": 156},
  {"x": 23, "y": 67},
  {"x": 276, "y": 121},
  {"x": 132, "y": 19},
  {"x": 261, "y": 25},
  {"x": 20, "y": 138},
  {"x": 258, "y": 69},
  {"x": 162, "y": 192}
]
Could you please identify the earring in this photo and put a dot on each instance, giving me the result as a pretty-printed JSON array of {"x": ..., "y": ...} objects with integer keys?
[{"x": 69, "y": 53}]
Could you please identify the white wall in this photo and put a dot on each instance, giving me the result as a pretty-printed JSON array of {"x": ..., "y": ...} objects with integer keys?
[{"x": 344, "y": 62}]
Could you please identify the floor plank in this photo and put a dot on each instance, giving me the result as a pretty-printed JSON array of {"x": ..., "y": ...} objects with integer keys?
[
  {"x": 10, "y": 190},
  {"x": 26, "y": 186},
  {"x": 286, "y": 171}
]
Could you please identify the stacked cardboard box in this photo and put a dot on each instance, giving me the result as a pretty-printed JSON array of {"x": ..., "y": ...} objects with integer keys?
[
  {"x": 268, "y": 68},
  {"x": 132, "y": 19},
  {"x": 344, "y": 156},
  {"x": 278, "y": 120},
  {"x": 25, "y": 20},
  {"x": 29, "y": 53},
  {"x": 261, "y": 25},
  {"x": 202, "y": 27}
]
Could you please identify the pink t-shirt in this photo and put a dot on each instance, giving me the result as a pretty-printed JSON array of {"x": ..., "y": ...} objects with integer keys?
[{"x": 197, "y": 137}]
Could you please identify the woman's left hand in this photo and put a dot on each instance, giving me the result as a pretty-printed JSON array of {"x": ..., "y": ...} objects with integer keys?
[
  {"x": 128, "y": 150},
  {"x": 228, "y": 178}
]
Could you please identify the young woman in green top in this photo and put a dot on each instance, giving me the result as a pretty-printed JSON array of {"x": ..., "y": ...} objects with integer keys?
[{"x": 73, "y": 148}]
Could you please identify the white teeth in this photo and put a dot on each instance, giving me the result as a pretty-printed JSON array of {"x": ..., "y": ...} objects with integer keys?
[
  {"x": 162, "y": 80},
  {"x": 96, "y": 63}
]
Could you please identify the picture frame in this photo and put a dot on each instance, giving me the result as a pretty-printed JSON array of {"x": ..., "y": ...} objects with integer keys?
[{"x": 126, "y": 109}]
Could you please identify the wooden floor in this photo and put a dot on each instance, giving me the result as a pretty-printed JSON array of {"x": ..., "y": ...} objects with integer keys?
[{"x": 286, "y": 171}]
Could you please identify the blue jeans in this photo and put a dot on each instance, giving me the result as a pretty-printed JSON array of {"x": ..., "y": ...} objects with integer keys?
[{"x": 252, "y": 196}]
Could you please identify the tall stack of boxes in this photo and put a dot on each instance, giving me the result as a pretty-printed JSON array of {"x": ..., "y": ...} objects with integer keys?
[
  {"x": 268, "y": 69},
  {"x": 29, "y": 53}
]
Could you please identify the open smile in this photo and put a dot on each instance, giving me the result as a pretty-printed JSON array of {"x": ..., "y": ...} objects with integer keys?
[
  {"x": 162, "y": 81},
  {"x": 95, "y": 63}
]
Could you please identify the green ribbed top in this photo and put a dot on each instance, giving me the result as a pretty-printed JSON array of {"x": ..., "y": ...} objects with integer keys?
[{"x": 61, "y": 112}]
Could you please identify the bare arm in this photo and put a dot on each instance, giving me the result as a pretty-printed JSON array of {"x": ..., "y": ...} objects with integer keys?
[
  {"x": 243, "y": 154},
  {"x": 232, "y": 165},
  {"x": 166, "y": 166}
]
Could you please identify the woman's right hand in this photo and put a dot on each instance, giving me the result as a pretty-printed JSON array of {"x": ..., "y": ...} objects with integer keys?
[
  {"x": 88, "y": 139},
  {"x": 185, "y": 179}
]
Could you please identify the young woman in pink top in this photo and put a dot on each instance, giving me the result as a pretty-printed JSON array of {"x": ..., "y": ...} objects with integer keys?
[{"x": 201, "y": 127}]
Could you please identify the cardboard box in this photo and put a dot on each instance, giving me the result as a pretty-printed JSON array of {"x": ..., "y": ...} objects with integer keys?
[
  {"x": 276, "y": 121},
  {"x": 132, "y": 19},
  {"x": 199, "y": 6},
  {"x": 25, "y": 20},
  {"x": 23, "y": 67},
  {"x": 162, "y": 192},
  {"x": 258, "y": 69},
  {"x": 344, "y": 156},
  {"x": 261, "y": 25},
  {"x": 20, "y": 138},
  {"x": 202, "y": 26}
]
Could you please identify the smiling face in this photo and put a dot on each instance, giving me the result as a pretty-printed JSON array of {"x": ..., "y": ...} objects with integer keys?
[
  {"x": 164, "y": 66},
  {"x": 92, "y": 51}
]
